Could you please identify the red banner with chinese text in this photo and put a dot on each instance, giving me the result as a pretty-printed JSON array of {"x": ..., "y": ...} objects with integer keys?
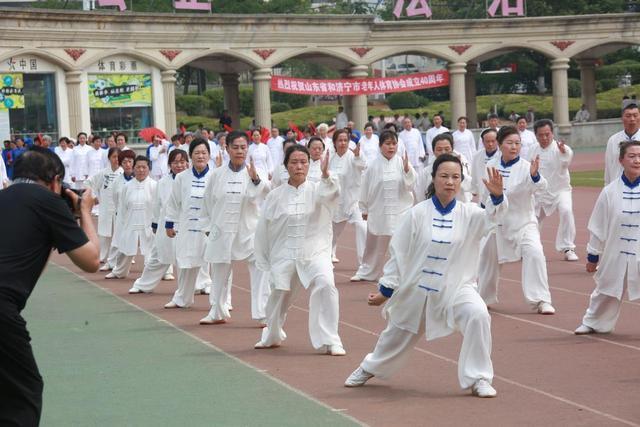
[{"x": 366, "y": 86}]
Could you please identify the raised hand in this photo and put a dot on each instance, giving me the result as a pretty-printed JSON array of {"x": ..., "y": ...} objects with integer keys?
[
  {"x": 170, "y": 232},
  {"x": 356, "y": 151},
  {"x": 324, "y": 165},
  {"x": 251, "y": 169},
  {"x": 535, "y": 165},
  {"x": 561, "y": 146},
  {"x": 405, "y": 162},
  {"x": 219, "y": 159},
  {"x": 494, "y": 182}
]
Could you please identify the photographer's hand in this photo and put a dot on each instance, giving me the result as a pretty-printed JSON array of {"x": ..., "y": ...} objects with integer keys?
[{"x": 86, "y": 257}]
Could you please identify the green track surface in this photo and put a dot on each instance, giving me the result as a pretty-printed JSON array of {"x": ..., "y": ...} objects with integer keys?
[{"x": 105, "y": 363}]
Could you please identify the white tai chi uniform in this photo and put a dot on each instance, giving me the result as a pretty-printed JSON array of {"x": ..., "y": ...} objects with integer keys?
[
  {"x": 116, "y": 193},
  {"x": 478, "y": 168},
  {"x": 231, "y": 205},
  {"x": 615, "y": 232},
  {"x": 80, "y": 164},
  {"x": 135, "y": 213},
  {"x": 412, "y": 142},
  {"x": 528, "y": 141},
  {"x": 612, "y": 167},
  {"x": 276, "y": 150},
  {"x": 315, "y": 172},
  {"x": 370, "y": 148},
  {"x": 464, "y": 143},
  {"x": 517, "y": 236},
  {"x": 348, "y": 168},
  {"x": 386, "y": 194},
  {"x": 261, "y": 159},
  {"x": 431, "y": 282},
  {"x": 432, "y": 133},
  {"x": 163, "y": 250},
  {"x": 280, "y": 176},
  {"x": 95, "y": 158},
  {"x": 424, "y": 179},
  {"x": 4, "y": 178},
  {"x": 554, "y": 166},
  {"x": 293, "y": 243},
  {"x": 159, "y": 160},
  {"x": 102, "y": 185},
  {"x": 185, "y": 215},
  {"x": 66, "y": 157}
]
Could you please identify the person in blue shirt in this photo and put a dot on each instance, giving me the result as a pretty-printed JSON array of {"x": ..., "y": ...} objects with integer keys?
[{"x": 6, "y": 157}]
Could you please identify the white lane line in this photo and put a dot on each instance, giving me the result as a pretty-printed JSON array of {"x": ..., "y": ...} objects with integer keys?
[{"x": 212, "y": 346}]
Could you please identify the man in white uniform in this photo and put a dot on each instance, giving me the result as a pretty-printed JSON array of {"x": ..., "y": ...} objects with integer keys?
[
  {"x": 481, "y": 158},
  {"x": 411, "y": 140},
  {"x": 493, "y": 124},
  {"x": 555, "y": 157},
  {"x": 341, "y": 118},
  {"x": 463, "y": 139},
  {"x": 527, "y": 138},
  {"x": 613, "y": 247},
  {"x": 275, "y": 147},
  {"x": 79, "y": 162},
  {"x": 437, "y": 129},
  {"x": 631, "y": 132}
]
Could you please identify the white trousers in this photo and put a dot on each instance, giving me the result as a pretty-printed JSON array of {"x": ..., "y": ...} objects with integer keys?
[
  {"x": 474, "y": 362},
  {"x": 220, "y": 296},
  {"x": 373, "y": 258},
  {"x": 204, "y": 277},
  {"x": 566, "y": 234},
  {"x": 603, "y": 311},
  {"x": 107, "y": 251},
  {"x": 535, "y": 283},
  {"x": 153, "y": 272},
  {"x": 361, "y": 236},
  {"x": 183, "y": 296},
  {"x": 324, "y": 312},
  {"x": 123, "y": 264}
]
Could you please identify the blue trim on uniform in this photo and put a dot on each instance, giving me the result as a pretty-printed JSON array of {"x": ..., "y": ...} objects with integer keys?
[
  {"x": 168, "y": 224},
  {"x": 443, "y": 210},
  {"x": 630, "y": 184},
  {"x": 490, "y": 154},
  {"x": 496, "y": 200},
  {"x": 234, "y": 169},
  {"x": 535, "y": 178},
  {"x": 387, "y": 292},
  {"x": 127, "y": 178},
  {"x": 201, "y": 174},
  {"x": 154, "y": 225},
  {"x": 510, "y": 162},
  {"x": 428, "y": 288},
  {"x": 593, "y": 258}
]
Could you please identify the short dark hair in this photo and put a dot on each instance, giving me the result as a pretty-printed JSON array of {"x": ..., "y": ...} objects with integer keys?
[
  {"x": 140, "y": 158},
  {"x": 368, "y": 124},
  {"x": 112, "y": 150},
  {"x": 198, "y": 141},
  {"x": 126, "y": 154},
  {"x": 339, "y": 132},
  {"x": 492, "y": 116},
  {"x": 292, "y": 150},
  {"x": 447, "y": 157},
  {"x": 463, "y": 118},
  {"x": 385, "y": 135},
  {"x": 542, "y": 123},
  {"x": 81, "y": 133},
  {"x": 291, "y": 141},
  {"x": 445, "y": 136},
  {"x": 64, "y": 138},
  {"x": 486, "y": 131},
  {"x": 236, "y": 134},
  {"x": 175, "y": 153},
  {"x": 38, "y": 164},
  {"x": 629, "y": 106},
  {"x": 505, "y": 131},
  {"x": 624, "y": 146},
  {"x": 522, "y": 118},
  {"x": 391, "y": 127},
  {"x": 314, "y": 139},
  {"x": 122, "y": 135}
]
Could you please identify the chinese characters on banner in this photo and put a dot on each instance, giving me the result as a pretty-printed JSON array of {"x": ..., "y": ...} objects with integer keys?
[
  {"x": 119, "y": 90},
  {"x": 421, "y": 7},
  {"x": 11, "y": 95},
  {"x": 366, "y": 86}
]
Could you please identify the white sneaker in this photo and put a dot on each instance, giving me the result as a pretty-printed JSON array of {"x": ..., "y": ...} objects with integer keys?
[
  {"x": 135, "y": 290},
  {"x": 482, "y": 388},
  {"x": 168, "y": 277},
  {"x": 105, "y": 267},
  {"x": 355, "y": 278},
  {"x": 335, "y": 260},
  {"x": 358, "y": 378},
  {"x": 112, "y": 275},
  {"x": 133, "y": 261},
  {"x": 208, "y": 320},
  {"x": 584, "y": 330},
  {"x": 336, "y": 350},
  {"x": 545, "y": 308},
  {"x": 570, "y": 255},
  {"x": 171, "y": 304},
  {"x": 260, "y": 345}
]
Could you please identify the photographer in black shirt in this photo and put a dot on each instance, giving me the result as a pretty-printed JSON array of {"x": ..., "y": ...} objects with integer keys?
[{"x": 36, "y": 220}]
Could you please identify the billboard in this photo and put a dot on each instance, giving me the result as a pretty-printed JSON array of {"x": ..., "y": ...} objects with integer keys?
[{"x": 119, "y": 90}]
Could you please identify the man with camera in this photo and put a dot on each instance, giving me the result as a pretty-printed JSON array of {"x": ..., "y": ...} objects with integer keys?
[{"x": 41, "y": 219}]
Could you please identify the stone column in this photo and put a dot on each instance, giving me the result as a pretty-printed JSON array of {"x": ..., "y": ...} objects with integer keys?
[
  {"x": 231, "y": 89},
  {"x": 588, "y": 80},
  {"x": 169, "y": 99},
  {"x": 358, "y": 113},
  {"x": 262, "y": 96},
  {"x": 559, "y": 67},
  {"x": 457, "y": 71},
  {"x": 470, "y": 95},
  {"x": 73, "y": 80}
]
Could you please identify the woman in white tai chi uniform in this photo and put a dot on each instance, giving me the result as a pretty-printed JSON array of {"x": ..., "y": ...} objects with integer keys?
[
  {"x": 261, "y": 155},
  {"x": 615, "y": 232},
  {"x": 135, "y": 212},
  {"x": 316, "y": 150},
  {"x": 281, "y": 174},
  {"x": 517, "y": 237},
  {"x": 65, "y": 152},
  {"x": 102, "y": 186},
  {"x": 185, "y": 222},
  {"x": 385, "y": 195},
  {"x": 430, "y": 280},
  {"x": 163, "y": 252},
  {"x": 231, "y": 205},
  {"x": 348, "y": 165},
  {"x": 293, "y": 243}
]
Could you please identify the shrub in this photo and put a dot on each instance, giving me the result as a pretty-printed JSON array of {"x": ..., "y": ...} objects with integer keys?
[
  {"x": 405, "y": 100},
  {"x": 192, "y": 105},
  {"x": 604, "y": 85},
  {"x": 216, "y": 101},
  {"x": 278, "y": 107},
  {"x": 575, "y": 88},
  {"x": 293, "y": 100}
]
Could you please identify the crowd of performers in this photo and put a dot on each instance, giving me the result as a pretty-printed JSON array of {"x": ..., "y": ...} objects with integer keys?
[{"x": 423, "y": 220}]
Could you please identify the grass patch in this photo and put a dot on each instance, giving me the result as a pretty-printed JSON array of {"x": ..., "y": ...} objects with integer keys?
[{"x": 587, "y": 178}]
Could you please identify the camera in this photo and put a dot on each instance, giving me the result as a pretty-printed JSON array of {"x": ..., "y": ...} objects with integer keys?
[{"x": 74, "y": 207}]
